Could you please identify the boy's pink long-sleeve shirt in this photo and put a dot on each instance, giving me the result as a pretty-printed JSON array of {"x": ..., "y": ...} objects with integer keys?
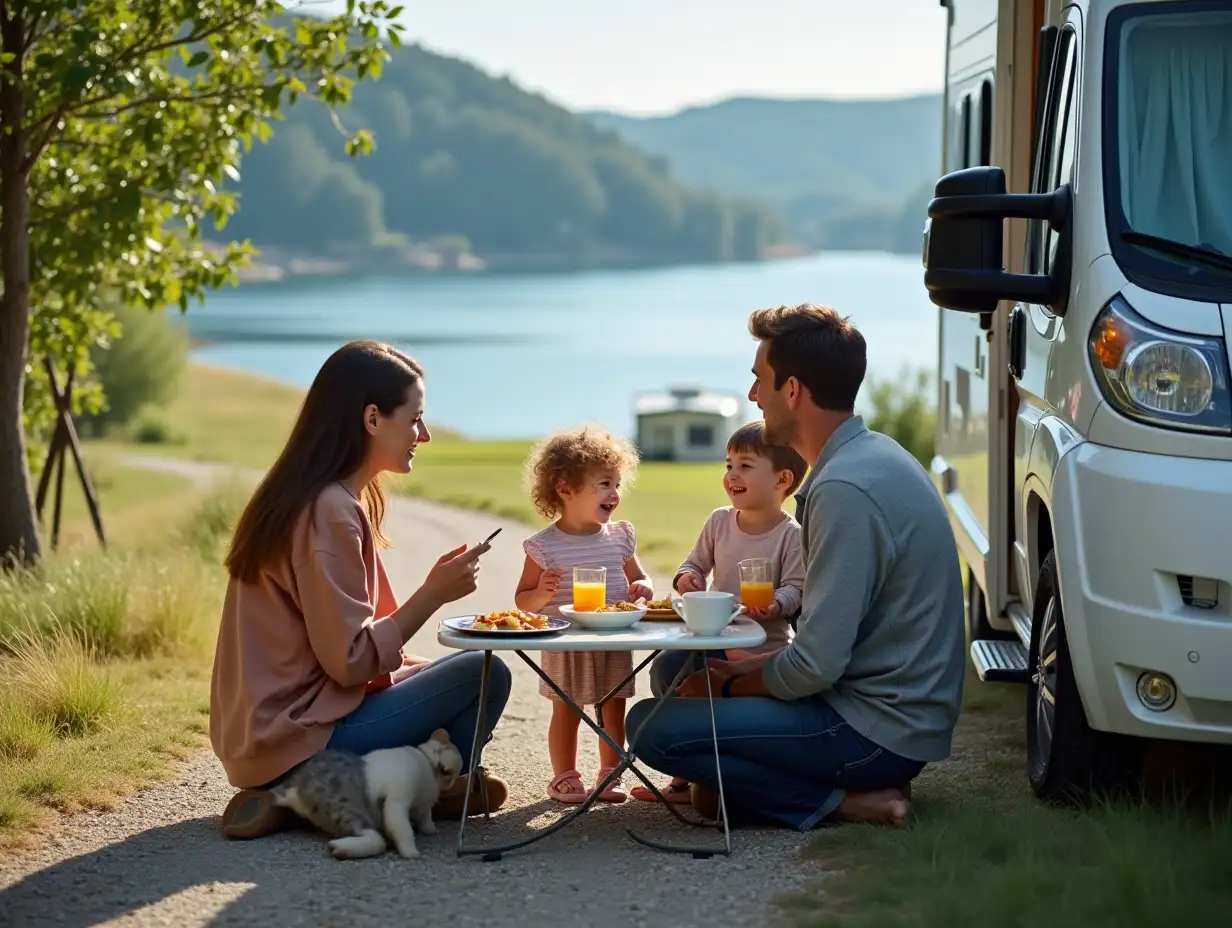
[{"x": 721, "y": 546}]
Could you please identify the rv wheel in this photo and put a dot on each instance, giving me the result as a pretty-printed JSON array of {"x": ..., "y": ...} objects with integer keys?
[{"x": 1067, "y": 760}]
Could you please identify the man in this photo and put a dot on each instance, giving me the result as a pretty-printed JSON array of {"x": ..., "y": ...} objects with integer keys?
[{"x": 837, "y": 724}]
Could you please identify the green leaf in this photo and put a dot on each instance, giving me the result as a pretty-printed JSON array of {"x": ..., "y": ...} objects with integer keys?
[{"x": 198, "y": 59}]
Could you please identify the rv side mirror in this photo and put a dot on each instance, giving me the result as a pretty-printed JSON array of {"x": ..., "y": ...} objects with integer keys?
[{"x": 964, "y": 235}]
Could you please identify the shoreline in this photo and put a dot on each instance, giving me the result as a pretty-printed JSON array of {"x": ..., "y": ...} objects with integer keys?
[{"x": 286, "y": 269}]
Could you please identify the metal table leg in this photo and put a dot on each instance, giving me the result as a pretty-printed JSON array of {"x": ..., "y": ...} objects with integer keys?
[{"x": 626, "y": 763}]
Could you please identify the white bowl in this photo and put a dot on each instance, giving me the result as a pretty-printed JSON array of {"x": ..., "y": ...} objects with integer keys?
[{"x": 602, "y": 621}]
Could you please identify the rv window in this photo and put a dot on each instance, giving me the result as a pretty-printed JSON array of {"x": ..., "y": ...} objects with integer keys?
[
  {"x": 1065, "y": 144},
  {"x": 1047, "y": 159},
  {"x": 1169, "y": 122}
]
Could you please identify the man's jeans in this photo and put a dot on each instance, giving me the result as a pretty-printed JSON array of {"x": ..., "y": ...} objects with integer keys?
[{"x": 790, "y": 763}]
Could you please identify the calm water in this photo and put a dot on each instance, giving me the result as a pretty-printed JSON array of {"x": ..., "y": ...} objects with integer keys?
[{"x": 517, "y": 356}]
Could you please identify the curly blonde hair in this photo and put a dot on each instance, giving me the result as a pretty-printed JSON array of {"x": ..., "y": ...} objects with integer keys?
[{"x": 571, "y": 456}]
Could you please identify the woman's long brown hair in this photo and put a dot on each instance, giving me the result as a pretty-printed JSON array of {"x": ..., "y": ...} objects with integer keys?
[{"x": 327, "y": 443}]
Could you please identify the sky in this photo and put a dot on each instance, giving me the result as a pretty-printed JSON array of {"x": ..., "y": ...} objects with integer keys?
[{"x": 647, "y": 58}]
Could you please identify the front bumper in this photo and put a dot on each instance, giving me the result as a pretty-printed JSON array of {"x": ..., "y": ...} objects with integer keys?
[{"x": 1128, "y": 528}]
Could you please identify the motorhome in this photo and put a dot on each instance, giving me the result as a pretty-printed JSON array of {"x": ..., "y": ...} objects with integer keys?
[{"x": 1079, "y": 246}]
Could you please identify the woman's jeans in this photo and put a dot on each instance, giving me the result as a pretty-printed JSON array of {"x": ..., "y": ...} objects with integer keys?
[
  {"x": 789, "y": 763},
  {"x": 445, "y": 694}
]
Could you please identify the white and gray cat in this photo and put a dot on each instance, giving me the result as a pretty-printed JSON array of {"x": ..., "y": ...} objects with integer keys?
[{"x": 347, "y": 795}]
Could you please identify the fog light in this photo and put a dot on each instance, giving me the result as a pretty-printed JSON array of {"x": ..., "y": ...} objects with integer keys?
[{"x": 1156, "y": 691}]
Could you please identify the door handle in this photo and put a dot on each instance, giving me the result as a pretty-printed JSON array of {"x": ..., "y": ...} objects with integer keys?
[{"x": 1017, "y": 363}]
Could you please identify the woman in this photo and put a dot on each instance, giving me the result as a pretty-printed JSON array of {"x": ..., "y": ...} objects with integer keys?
[{"x": 310, "y": 631}]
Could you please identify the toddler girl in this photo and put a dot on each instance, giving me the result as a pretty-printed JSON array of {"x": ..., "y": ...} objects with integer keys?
[{"x": 575, "y": 477}]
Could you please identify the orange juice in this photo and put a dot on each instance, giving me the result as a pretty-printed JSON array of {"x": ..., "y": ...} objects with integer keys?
[
  {"x": 589, "y": 597},
  {"x": 756, "y": 595}
]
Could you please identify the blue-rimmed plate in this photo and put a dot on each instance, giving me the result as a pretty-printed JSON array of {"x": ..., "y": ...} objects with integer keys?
[{"x": 465, "y": 623}]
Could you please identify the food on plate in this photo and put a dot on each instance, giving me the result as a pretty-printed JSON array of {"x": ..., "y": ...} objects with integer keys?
[
  {"x": 514, "y": 620},
  {"x": 660, "y": 604},
  {"x": 621, "y": 606}
]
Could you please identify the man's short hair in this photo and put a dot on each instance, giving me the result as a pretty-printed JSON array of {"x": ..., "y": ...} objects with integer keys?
[
  {"x": 818, "y": 347},
  {"x": 751, "y": 439}
]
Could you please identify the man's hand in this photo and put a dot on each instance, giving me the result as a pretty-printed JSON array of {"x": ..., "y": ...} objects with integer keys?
[
  {"x": 718, "y": 671},
  {"x": 748, "y": 671}
]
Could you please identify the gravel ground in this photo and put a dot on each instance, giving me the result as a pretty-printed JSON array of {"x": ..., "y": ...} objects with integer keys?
[{"x": 160, "y": 858}]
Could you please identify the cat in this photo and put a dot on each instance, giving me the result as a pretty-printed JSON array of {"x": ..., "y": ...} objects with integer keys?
[{"x": 346, "y": 794}]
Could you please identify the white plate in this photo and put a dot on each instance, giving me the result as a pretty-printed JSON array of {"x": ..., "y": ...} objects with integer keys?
[
  {"x": 463, "y": 623},
  {"x": 602, "y": 621}
]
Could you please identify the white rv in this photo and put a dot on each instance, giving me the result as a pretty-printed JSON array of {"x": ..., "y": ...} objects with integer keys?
[{"x": 1080, "y": 248}]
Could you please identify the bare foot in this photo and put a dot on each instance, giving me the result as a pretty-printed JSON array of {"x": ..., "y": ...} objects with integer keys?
[{"x": 881, "y": 807}]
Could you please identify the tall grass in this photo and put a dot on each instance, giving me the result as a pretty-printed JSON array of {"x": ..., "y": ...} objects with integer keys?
[{"x": 103, "y": 663}]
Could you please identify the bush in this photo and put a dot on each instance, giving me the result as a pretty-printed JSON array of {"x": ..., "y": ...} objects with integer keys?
[
  {"x": 905, "y": 410},
  {"x": 151, "y": 428},
  {"x": 141, "y": 368}
]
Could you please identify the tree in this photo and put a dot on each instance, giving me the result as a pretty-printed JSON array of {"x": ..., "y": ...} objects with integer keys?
[{"x": 119, "y": 122}]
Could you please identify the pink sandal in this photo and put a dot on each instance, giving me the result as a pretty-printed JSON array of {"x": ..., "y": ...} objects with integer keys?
[
  {"x": 567, "y": 787},
  {"x": 615, "y": 791}
]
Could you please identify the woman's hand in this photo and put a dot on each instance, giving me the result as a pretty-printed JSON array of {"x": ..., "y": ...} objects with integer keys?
[{"x": 455, "y": 574}]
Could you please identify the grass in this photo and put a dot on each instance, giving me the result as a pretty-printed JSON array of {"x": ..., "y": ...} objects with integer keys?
[
  {"x": 983, "y": 851},
  {"x": 104, "y": 656}
]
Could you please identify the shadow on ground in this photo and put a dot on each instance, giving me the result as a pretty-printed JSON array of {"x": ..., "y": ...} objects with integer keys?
[{"x": 188, "y": 868}]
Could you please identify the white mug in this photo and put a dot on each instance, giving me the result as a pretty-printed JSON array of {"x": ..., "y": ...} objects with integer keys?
[{"x": 708, "y": 612}]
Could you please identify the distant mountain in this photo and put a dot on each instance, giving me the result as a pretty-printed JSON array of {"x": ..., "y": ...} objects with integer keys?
[
  {"x": 842, "y": 172},
  {"x": 465, "y": 160}
]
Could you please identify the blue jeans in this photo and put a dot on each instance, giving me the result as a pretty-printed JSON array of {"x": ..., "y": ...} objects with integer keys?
[
  {"x": 665, "y": 666},
  {"x": 788, "y": 763},
  {"x": 445, "y": 694}
]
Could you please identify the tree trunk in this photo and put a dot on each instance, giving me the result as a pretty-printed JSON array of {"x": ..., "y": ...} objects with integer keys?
[{"x": 19, "y": 537}]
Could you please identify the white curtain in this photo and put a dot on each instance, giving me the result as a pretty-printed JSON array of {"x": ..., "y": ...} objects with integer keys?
[{"x": 1176, "y": 127}]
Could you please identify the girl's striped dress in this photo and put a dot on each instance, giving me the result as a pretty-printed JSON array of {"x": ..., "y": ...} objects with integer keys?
[{"x": 586, "y": 676}]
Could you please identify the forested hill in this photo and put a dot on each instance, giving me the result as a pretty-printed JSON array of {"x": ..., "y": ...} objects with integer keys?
[
  {"x": 460, "y": 153},
  {"x": 843, "y": 173}
]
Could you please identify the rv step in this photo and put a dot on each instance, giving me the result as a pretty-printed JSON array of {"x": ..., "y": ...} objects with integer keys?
[
  {"x": 1022, "y": 622},
  {"x": 999, "y": 661}
]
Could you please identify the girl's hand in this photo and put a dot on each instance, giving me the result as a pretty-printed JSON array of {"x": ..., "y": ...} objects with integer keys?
[
  {"x": 549, "y": 582},
  {"x": 640, "y": 589},
  {"x": 689, "y": 582},
  {"x": 769, "y": 614}
]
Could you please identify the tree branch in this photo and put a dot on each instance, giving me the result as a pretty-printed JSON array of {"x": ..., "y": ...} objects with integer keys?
[{"x": 137, "y": 49}]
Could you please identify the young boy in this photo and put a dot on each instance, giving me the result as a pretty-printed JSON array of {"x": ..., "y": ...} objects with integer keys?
[{"x": 759, "y": 479}]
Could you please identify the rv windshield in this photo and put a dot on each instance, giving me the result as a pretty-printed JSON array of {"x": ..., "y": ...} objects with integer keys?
[{"x": 1169, "y": 120}]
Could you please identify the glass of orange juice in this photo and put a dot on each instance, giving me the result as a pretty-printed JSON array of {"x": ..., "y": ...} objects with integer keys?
[
  {"x": 589, "y": 588},
  {"x": 756, "y": 587}
]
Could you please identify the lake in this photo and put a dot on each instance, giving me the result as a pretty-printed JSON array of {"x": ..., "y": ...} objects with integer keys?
[{"x": 514, "y": 356}]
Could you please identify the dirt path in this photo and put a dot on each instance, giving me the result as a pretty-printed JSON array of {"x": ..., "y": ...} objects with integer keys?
[{"x": 160, "y": 859}]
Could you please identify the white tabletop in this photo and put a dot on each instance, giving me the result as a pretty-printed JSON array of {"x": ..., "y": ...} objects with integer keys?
[{"x": 641, "y": 636}]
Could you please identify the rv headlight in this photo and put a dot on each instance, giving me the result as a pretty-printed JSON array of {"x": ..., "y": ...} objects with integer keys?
[{"x": 1160, "y": 377}]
